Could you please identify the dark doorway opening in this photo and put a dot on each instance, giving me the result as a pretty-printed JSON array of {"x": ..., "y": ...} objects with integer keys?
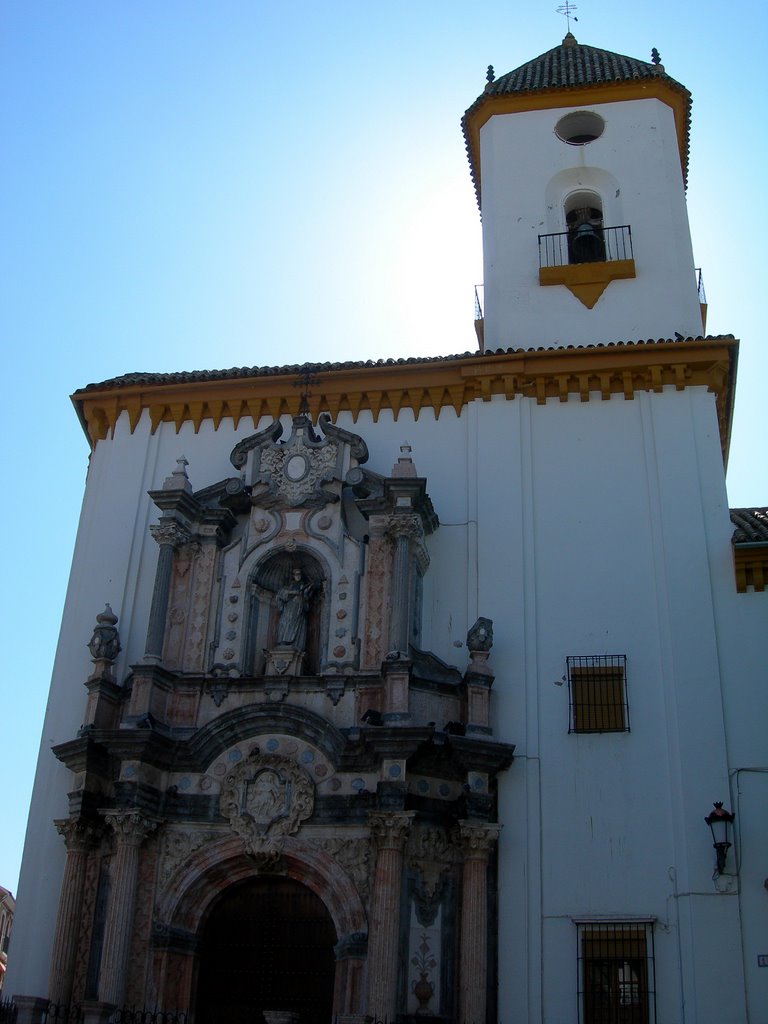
[{"x": 267, "y": 945}]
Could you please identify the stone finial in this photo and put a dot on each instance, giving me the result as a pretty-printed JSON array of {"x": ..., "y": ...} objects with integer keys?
[
  {"x": 480, "y": 636},
  {"x": 655, "y": 58},
  {"x": 490, "y": 74},
  {"x": 404, "y": 466},
  {"x": 104, "y": 645},
  {"x": 178, "y": 480}
]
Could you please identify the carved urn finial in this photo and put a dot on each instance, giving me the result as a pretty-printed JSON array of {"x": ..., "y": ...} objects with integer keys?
[
  {"x": 479, "y": 644},
  {"x": 480, "y": 636},
  {"x": 104, "y": 645}
]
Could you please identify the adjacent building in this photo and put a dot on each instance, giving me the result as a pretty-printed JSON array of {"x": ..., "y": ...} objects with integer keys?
[{"x": 418, "y": 677}]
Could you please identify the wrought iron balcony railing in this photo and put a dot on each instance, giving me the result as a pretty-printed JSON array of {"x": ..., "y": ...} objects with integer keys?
[{"x": 587, "y": 244}]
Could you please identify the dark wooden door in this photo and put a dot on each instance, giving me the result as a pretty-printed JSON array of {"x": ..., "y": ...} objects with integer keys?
[{"x": 267, "y": 944}]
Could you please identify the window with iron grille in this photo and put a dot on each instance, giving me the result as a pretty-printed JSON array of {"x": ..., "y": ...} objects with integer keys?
[
  {"x": 617, "y": 983},
  {"x": 597, "y": 691}
]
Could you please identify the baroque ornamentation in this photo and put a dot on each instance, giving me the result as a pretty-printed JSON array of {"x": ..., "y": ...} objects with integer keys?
[
  {"x": 79, "y": 836},
  {"x": 389, "y": 829},
  {"x": 480, "y": 636},
  {"x": 131, "y": 827},
  {"x": 478, "y": 840},
  {"x": 405, "y": 525},
  {"x": 266, "y": 797},
  {"x": 104, "y": 645},
  {"x": 296, "y": 473},
  {"x": 431, "y": 854},
  {"x": 354, "y": 856},
  {"x": 170, "y": 532},
  {"x": 177, "y": 846}
]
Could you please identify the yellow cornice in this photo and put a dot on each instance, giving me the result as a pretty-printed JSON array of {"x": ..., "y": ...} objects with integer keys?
[
  {"x": 751, "y": 565},
  {"x": 588, "y": 281},
  {"x": 488, "y": 105},
  {"x": 433, "y": 384}
]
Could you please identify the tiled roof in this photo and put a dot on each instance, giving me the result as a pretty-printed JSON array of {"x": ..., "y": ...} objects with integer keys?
[
  {"x": 573, "y": 64},
  {"x": 751, "y": 525},
  {"x": 244, "y": 372}
]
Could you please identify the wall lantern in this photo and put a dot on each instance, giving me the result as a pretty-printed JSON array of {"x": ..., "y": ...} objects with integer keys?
[{"x": 720, "y": 822}]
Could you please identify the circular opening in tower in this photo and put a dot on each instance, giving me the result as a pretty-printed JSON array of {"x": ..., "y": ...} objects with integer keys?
[{"x": 580, "y": 127}]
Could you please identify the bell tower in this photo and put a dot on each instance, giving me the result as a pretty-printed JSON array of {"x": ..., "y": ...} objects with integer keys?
[{"x": 579, "y": 159}]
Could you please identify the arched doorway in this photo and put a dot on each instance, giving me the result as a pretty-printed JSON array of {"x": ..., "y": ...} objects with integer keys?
[{"x": 268, "y": 944}]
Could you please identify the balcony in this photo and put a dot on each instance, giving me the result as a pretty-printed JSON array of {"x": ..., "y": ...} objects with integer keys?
[{"x": 587, "y": 259}]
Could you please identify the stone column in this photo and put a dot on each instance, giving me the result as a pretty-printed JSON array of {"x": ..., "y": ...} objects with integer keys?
[
  {"x": 79, "y": 837},
  {"x": 477, "y": 841},
  {"x": 169, "y": 534},
  {"x": 348, "y": 995},
  {"x": 403, "y": 528},
  {"x": 389, "y": 833},
  {"x": 131, "y": 828}
]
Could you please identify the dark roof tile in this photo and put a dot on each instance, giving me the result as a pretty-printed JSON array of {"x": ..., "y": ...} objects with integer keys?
[
  {"x": 751, "y": 525},
  {"x": 148, "y": 379}
]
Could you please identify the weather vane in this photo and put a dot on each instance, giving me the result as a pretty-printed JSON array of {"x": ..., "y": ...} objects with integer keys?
[
  {"x": 304, "y": 381},
  {"x": 567, "y": 10}
]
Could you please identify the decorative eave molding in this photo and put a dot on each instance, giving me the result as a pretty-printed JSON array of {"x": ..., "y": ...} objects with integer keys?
[
  {"x": 454, "y": 382},
  {"x": 750, "y": 562},
  {"x": 486, "y": 106}
]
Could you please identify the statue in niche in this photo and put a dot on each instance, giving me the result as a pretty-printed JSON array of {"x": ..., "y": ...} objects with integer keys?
[{"x": 293, "y": 605}]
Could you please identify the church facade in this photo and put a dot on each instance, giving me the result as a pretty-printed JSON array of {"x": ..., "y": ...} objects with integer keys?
[{"x": 419, "y": 677}]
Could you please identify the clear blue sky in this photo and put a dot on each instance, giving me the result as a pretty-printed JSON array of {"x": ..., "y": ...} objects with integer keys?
[{"x": 193, "y": 185}]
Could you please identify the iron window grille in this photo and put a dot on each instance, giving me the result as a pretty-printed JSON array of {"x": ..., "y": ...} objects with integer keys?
[
  {"x": 597, "y": 693},
  {"x": 617, "y": 977}
]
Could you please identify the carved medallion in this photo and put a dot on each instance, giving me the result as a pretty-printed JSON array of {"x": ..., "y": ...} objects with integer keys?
[{"x": 266, "y": 796}]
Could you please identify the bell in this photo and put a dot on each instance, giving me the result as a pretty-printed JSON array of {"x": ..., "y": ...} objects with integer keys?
[{"x": 586, "y": 245}]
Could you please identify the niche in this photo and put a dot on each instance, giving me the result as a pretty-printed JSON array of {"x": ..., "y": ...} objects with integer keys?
[
  {"x": 267, "y": 591},
  {"x": 584, "y": 220}
]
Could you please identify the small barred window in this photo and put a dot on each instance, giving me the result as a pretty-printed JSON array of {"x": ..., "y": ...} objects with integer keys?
[
  {"x": 616, "y": 973},
  {"x": 597, "y": 688}
]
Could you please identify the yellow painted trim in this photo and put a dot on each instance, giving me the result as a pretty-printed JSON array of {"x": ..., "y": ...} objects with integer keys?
[
  {"x": 584, "y": 96},
  {"x": 435, "y": 385},
  {"x": 587, "y": 281},
  {"x": 751, "y": 566}
]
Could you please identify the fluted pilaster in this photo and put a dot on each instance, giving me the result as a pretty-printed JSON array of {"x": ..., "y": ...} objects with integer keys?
[
  {"x": 169, "y": 535},
  {"x": 79, "y": 837},
  {"x": 477, "y": 842},
  {"x": 403, "y": 528},
  {"x": 130, "y": 828},
  {"x": 389, "y": 833}
]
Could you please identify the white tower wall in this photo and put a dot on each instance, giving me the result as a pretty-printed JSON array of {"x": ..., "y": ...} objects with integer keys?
[{"x": 634, "y": 167}]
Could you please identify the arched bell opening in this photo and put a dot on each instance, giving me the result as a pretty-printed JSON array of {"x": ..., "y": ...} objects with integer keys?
[
  {"x": 266, "y": 944},
  {"x": 584, "y": 220},
  {"x": 287, "y": 609}
]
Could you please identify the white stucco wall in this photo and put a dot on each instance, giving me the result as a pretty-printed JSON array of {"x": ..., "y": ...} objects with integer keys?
[{"x": 527, "y": 174}]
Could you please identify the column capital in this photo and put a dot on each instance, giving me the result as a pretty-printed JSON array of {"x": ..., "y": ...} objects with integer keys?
[
  {"x": 170, "y": 531},
  {"x": 130, "y": 826},
  {"x": 405, "y": 524},
  {"x": 389, "y": 829},
  {"x": 79, "y": 835},
  {"x": 477, "y": 840}
]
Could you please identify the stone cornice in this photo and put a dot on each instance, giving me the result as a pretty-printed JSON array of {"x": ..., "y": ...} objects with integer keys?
[{"x": 435, "y": 384}]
